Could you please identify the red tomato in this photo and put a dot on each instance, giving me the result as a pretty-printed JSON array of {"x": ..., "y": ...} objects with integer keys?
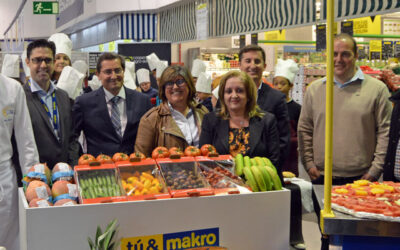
[
  {"x": 120, "y": 157},
  {"x": 102, "y": 158},
  {"x": 137, "y": 155},
  {"x": 160, "y": 152},
  {"x": 192, "y": 151},
  {"x": 175, "y": 151},
  {"x": 207, "y": 148},
  {"x": 85, "y": 159}
]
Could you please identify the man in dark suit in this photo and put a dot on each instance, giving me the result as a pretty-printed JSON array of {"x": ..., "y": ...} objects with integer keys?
[
  {"x": 252, "y": 61},
  {"x": 109, "y": 117},
  {"x": 49, "y": 107}
]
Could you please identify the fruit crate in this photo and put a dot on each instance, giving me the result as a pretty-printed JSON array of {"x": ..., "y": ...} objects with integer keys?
[
  {"x": 221, "y": 183},
  {"x": 142, "y": 180},
  {"x": 225, "y": 161},
  {"x": 183, "y": 177},
  {"x": 223, "y": 164},
  {"x": 100, "y": 184}
]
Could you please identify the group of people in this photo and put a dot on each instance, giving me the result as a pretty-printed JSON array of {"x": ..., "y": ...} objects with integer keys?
[{"x": 251, "y": 118}]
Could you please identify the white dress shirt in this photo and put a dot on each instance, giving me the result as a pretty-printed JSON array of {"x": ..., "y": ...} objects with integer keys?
[{"x": 187, "y": 125}]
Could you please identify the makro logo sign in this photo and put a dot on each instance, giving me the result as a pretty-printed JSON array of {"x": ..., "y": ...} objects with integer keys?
[{"x": 172, "y": 241}]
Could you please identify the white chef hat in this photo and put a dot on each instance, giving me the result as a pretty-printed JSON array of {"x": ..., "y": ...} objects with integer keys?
[
  {"x": 94, "y": 83},
  {"x": 10, "y": 66},
  {"x": 130, "y": 66},
  {"x": 286, "y": 68},
  {"x": 63, "y": 43},
  {"x": 215, "y": 92},
  {"x": 71, "y": 81},
  {"x": 152, "y": 60},
  {"x": 203, "y": 83},
  {"x": 198, "y": 67},
  {"x": 129, "y": 80},
  {"x": 81, "y": 66},
  {"x": 143, "y": 75},
  {"x": 160, "y": 67},
  {"x": 24, "y": 65}
]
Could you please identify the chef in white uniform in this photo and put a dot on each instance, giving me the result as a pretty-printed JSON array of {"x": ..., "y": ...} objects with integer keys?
[{"x": 14, "y": 116}]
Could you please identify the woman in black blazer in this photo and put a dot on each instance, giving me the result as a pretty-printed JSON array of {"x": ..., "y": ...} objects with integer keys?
[{"x": 240, "y": 126}]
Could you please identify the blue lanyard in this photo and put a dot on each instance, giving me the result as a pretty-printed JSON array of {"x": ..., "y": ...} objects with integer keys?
[{"x": 54, "y": 118}]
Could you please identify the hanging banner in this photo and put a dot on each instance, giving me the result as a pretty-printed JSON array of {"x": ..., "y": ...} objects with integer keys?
[
  {"x": 321, "y": 37},
  {"x": 375, "y": 49},
  {"x": 242, "y": 41},
  {"x": 347, "y": 27},
  {"x": 93, "y": 57},
  {"x": 202, "y": 21},
  {"x": 137, "y": 52},
  {"x": 387, "y": 50},
  {"x": 396, "y": 48},
  {"x": 367, "y": 25},
  {"x": 254, "y": 38}
]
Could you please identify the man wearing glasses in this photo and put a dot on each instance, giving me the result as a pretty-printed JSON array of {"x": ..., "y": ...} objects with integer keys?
[
  {"x": 49, "y": 107},
  {"x": 109, "y": 117}
]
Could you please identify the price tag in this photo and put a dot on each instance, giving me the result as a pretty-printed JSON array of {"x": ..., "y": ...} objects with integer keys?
[
  {"x": 42, "y": 192},
  {"x": 39, "y": 168}
]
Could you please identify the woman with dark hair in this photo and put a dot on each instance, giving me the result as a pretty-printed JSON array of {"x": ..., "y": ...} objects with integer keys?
[
  {"x": 240, "y": 126},
  {"x": 176, "y": 122},
  {"x": 63, "y": 53}
]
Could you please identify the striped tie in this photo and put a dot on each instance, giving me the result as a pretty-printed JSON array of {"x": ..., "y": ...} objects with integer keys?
[{"x": 115, "y": 118}]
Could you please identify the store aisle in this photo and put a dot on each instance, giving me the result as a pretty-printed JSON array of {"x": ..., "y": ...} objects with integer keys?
[{"x": 311, "y": 232}]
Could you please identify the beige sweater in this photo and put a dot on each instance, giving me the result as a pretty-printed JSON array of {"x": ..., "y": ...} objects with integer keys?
[{"x": 361, "y": 119}]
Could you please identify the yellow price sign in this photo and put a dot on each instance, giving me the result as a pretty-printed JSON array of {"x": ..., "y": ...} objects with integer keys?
[
  {"x": 275, "y": 35},
  {"x": 367, "y": 25},
  {"x": 375, "y": 45},
  {"x": 111, "y": 46}
]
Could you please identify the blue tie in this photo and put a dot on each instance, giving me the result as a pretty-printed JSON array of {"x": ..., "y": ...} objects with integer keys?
[{"x": 115, "y": 116}]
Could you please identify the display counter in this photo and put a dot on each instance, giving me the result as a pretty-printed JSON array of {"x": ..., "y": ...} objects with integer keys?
[
  {"x": 237, "y": 221},
  {"x": 351, "y": 232}
]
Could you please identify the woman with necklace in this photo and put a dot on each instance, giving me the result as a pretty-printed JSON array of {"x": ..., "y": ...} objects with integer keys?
[
  {"x": 240, "y": 126},
  {"x": 176, "y": 122}
]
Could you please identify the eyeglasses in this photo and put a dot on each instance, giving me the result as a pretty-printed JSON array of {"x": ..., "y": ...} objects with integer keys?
[
  {"x": 178, "y": 83},
  {"x": 39, "y": 60},
  {"x": 109, "y": 71}
]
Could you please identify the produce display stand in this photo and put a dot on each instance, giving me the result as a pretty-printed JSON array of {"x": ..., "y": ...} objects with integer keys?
[
  {"x": 242, "y": 221},
  {"x": 349, "y": 232}
]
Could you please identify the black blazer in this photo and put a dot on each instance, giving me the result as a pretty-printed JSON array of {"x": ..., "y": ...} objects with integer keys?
[
  {"x": 264, "y": 139},
  {"x": 90, "y": 115},
  {"x": 394, "y": 136},
  {"x": 51, "y": 150},
  {"x": 274, "y": 101}
]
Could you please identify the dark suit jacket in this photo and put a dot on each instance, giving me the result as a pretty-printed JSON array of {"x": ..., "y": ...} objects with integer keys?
[
  {"x": 90, "y": 115},
  {"x": 394, "y": 136},
  {"x": 274, "y": 101},
  {"x": 264, "y": 139},
  {"x": 51, "y": 150}
]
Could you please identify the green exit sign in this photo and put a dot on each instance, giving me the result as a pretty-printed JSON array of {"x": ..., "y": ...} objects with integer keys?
[{"x": 42, "y": 8}]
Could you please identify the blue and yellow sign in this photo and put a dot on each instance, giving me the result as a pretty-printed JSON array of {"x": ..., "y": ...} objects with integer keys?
[{"x": 173, "y": 241}]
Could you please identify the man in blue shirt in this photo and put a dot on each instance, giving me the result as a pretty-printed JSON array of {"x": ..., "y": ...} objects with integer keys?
[{"x": 49, "y": 108}]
